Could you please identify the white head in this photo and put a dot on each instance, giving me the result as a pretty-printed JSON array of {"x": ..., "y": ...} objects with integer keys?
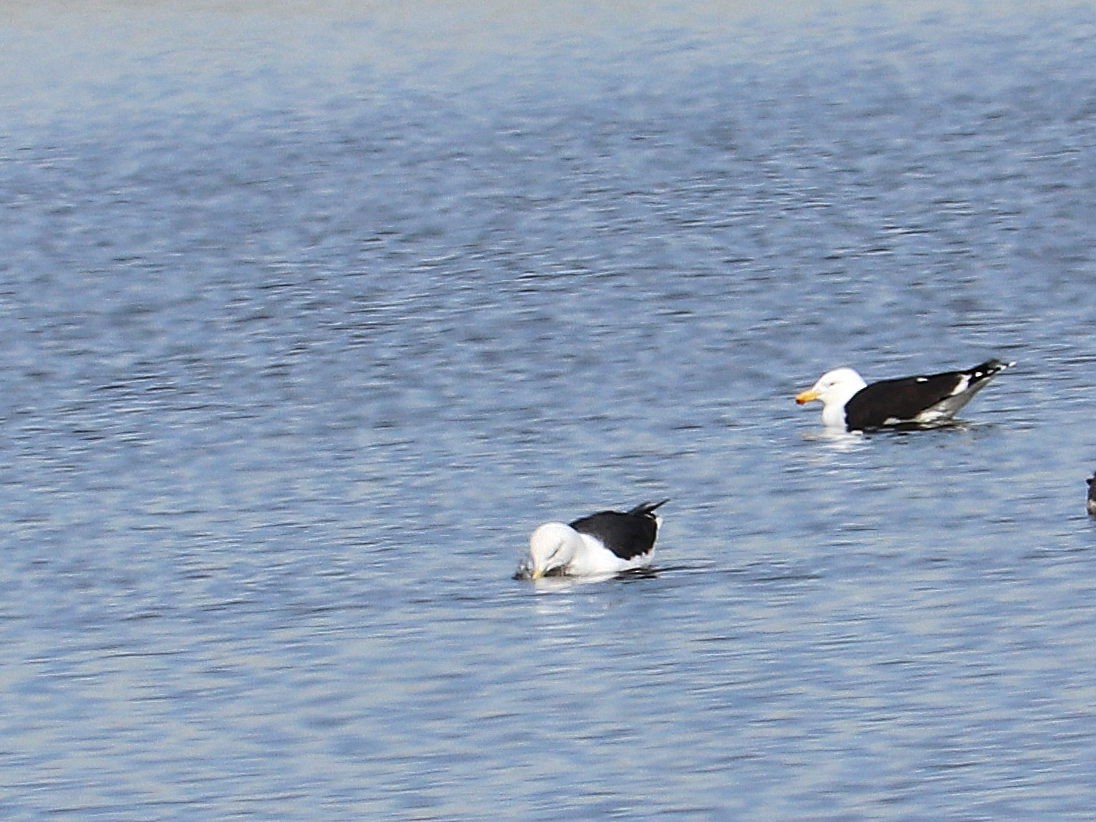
[
  {"x": 834, "y": 389},
  {"x": 553, "y": 545}
]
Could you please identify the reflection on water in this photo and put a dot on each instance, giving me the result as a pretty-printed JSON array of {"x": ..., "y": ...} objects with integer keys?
[{"x": 311, "y": 315}]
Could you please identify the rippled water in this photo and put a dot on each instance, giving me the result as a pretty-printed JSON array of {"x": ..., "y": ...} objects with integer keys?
[{"x": 311, "y": 313}]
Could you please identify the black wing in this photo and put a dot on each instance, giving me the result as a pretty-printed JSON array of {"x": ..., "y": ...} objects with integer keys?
[
  {"x": 627, "y": 535},
  {"x": 900, "y": 399},
  {"x": 904, "y": 398}
]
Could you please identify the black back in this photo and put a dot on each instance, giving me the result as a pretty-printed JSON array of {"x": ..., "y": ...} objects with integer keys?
[
  {"x": 627, "y": 535},
  {"x": 906, "y": 397}
]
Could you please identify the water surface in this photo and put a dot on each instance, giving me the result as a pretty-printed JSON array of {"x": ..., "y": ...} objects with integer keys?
[{"x": 311, "y": 314}]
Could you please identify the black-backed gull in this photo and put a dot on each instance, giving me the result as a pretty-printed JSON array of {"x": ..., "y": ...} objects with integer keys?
[
  {"x": 607, "y": 542},
  {"x": 850, "y": 403}
]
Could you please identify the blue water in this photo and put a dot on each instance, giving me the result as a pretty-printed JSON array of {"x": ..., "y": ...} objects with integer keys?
[{"x": 312, "y": 312}]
